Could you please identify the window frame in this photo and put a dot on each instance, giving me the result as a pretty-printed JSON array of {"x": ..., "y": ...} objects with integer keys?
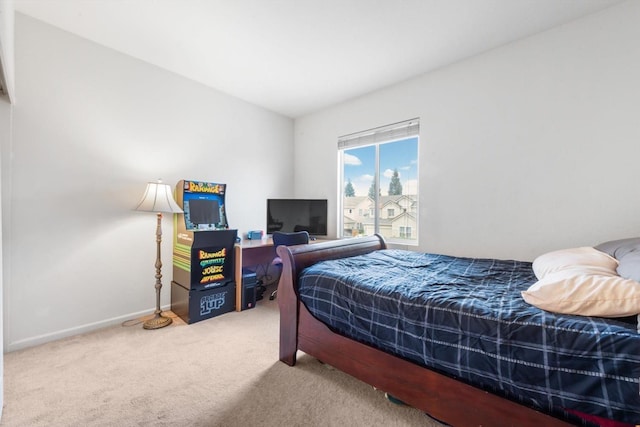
[{"x": 378, "y": 137}]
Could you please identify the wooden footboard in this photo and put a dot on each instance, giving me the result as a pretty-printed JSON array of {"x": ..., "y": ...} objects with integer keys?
[
  {"x": 442, "y": 397},
  {"x": 294, "y": 260}
]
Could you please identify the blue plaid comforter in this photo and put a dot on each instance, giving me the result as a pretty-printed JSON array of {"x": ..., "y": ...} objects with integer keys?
[{"x": 465, "y": 317}]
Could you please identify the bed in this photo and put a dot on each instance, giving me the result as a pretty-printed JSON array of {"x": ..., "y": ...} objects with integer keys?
[{"x": 443, "y": 359}]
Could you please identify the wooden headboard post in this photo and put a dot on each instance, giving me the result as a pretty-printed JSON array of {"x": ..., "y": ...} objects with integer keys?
[
  {"x": 294, "y": 260},
  {"x": 289, "y": 307}
]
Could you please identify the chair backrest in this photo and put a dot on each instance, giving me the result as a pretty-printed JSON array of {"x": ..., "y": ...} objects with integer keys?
[{"x": 290, "y": 239}]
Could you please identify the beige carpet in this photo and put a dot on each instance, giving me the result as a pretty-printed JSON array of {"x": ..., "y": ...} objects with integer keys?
[{"x": 219, "y": 372}]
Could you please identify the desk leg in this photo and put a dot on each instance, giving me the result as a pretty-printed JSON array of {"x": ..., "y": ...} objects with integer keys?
[{"x": 238, "y": 273}]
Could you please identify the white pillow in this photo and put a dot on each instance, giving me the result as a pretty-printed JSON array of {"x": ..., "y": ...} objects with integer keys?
[
  {"x": 585, "y": 292},
  {"x": 582, "y": 281},
  {"x": 575, "y": 257}
]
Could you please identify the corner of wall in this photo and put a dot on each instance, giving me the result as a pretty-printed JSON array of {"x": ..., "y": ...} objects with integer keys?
[{"x": 7, "y": 17}]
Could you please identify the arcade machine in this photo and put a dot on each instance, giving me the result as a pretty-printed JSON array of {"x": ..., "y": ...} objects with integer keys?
[{"x": 203, "y": 283}]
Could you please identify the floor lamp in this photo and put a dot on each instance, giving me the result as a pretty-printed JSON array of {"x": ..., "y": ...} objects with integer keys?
[{"x": 158, "y": 198}]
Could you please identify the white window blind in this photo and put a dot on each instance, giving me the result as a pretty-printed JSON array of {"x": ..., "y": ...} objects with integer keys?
[{"x": 377, "y": 135}]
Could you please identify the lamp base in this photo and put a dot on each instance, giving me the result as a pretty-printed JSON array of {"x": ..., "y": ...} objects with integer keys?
[{"x": 157, "y": 322}]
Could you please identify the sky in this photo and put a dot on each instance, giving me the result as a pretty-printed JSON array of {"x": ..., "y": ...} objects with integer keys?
[{"x": 359, "y": 166}]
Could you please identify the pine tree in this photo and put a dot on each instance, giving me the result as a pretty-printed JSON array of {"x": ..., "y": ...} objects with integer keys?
[
  {"x": 372, "y": 190},
  {"x": 395, "y": 186},
  {"x": 348, "y": 190}
]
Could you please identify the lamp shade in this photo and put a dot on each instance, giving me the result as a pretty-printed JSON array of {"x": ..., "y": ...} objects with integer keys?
[{"x": 158, "y": 197}]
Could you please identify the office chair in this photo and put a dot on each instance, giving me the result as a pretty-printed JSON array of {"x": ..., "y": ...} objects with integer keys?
[{"x": 287, "y": 239}]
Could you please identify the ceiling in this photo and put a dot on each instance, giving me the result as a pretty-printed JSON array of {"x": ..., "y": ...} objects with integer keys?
[{"x": 295, "y": 57}]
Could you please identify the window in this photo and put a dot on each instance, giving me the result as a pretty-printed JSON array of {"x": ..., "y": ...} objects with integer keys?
[{"x": 379, "y": 170}]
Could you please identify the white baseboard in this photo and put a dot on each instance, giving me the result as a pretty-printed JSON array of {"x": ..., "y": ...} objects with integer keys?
[{"x": 45, "y": 338}]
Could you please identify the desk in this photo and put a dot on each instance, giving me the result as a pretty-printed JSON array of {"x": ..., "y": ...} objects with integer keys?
[{"x": 250, "y": 253}]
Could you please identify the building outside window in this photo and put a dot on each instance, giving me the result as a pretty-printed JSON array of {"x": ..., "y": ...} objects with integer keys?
[{"x": 379, "y": 181}]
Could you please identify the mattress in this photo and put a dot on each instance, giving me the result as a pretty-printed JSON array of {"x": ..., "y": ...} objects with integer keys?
[{"x": 465, "y": 317}]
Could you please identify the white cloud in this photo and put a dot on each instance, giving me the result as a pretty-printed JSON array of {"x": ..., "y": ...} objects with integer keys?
[
  {"x": 389, "y": 173},
  {"x": 350, "y": 159},
  {"x": 361, "y": 184}
]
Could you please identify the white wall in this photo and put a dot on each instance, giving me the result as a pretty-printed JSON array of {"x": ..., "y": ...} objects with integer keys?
[
  {"x": 91, "y": 128},
  {"x": 6, "y": 69},
  {"x": 530, "y": 147},
  {"x": 5, "y": 137}
]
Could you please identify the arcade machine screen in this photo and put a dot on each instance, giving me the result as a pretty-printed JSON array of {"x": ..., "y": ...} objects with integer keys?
[{"x": 204, "y": 211}]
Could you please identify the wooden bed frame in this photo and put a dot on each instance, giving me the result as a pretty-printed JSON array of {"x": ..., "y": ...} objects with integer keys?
[{"x": 442, "y": 397}]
